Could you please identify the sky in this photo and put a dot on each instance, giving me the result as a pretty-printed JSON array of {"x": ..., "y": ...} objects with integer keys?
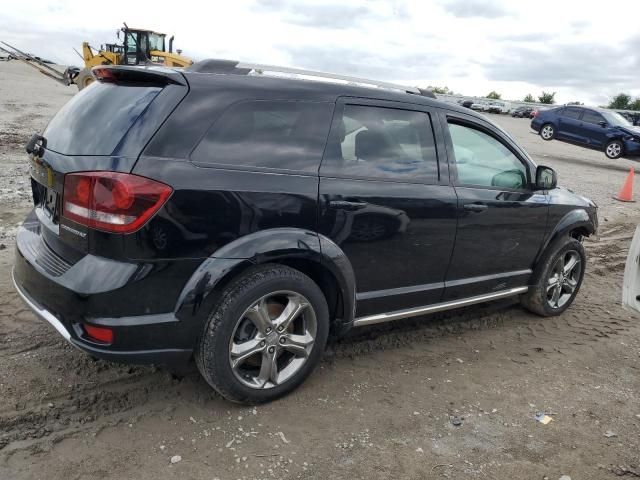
[{"x": 585, "y": 51}]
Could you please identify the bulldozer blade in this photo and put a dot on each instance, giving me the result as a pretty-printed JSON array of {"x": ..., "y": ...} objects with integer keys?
[{"x": 35, "y": 63}]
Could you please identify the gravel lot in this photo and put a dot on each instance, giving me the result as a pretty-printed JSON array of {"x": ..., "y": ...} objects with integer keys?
[{"x": 449, "y": 396}]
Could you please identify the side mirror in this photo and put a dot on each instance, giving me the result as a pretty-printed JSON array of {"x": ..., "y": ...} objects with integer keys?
[
  {"x": 602, "y": 123},
  {"x": 546, "y": 178}
]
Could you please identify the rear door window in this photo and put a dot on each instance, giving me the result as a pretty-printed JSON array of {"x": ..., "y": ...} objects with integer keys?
[
  {"x": 96, "y": 119},
  {"x": 572, "y": 113},
  {"x": 285, "y": 135},
  {"x": 382, "y": 143},
  {"x": 590, "y": 116}
]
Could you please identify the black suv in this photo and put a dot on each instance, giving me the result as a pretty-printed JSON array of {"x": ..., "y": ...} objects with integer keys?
[{"x": 242, "y": 219}]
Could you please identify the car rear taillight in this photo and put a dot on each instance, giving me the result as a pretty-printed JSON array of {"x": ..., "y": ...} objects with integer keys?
[
  {"x": 103, "y": 75},
  {"x": 534, "y": 114},
  {"x": 112, "y": 201}
]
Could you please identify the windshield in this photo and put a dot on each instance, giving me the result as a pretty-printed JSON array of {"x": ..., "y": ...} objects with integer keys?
[
  {"x": 156, "y": 42},
  {"x": 132, "y": 42},
  {"x": 617, "y": 120}
]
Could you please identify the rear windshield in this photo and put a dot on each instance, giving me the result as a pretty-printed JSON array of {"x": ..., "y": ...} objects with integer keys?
[{"x": 94, "y": 121}]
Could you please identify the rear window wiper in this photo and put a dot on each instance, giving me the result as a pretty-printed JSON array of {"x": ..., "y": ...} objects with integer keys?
[{"x": 36, "y": 145}]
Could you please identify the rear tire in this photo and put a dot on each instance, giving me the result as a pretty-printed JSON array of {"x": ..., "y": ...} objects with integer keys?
[
  {"x": 547, "y": 132},
  {"x": 84, "y": 79},
  {"x": 265, "y": 336},
  {"x": 614, "y": 149},
  {"x": 557, "y": 279}
]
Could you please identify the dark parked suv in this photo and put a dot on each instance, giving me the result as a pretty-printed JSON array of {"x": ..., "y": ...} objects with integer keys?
[
  {"x": 522, "y": 112},
  {"x": 595, "y": 128},
  {"x": 242, "y": 219}
]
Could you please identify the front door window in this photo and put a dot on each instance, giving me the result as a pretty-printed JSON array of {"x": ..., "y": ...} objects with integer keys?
[{"x": 484, "y": 161}]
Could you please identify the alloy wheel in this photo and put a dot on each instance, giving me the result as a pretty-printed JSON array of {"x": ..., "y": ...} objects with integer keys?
[
  {"x": 614, "y": 150},
  {"x": 547, "y": 132},
  {"x": 563, "y": 279},
  {"x": 272, "y": 339}
]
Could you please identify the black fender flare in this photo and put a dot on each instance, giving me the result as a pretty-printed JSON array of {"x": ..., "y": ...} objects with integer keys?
[
  {"x": 278, "y": 245},
  {"x": 578, "y": 218}
]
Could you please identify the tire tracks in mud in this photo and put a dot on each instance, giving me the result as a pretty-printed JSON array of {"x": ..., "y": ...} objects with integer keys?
[
  {"x": 73, "y": 393},
  {"x": 84, "y": 406}
]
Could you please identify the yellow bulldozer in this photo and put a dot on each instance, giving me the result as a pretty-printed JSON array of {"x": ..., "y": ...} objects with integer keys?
[{"x": 139, "y": 47}]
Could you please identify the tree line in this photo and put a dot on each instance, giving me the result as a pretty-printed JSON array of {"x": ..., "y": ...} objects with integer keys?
[
  {"x": 545, "y": 97},
  {"x": 622, "y": 101}
]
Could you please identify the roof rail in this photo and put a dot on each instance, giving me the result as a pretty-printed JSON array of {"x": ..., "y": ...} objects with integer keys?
[{"x": 243, "y": 68}]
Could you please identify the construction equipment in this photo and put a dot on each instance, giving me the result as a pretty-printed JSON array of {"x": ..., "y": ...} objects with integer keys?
[{"x": 139, "y": 47}]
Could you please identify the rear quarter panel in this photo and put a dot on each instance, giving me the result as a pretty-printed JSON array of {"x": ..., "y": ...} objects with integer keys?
[{"x": 213, "y": 205}]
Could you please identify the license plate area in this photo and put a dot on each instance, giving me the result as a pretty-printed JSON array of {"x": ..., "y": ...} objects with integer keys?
[
  {"x": 47, "y": 201},
  {"x": 51, "y": 204}
]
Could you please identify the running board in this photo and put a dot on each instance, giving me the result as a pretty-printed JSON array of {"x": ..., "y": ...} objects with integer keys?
[{"x": 438, "y": 307}]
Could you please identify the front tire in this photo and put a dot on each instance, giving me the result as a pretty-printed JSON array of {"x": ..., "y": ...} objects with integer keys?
[
  {"x": 265, "y": 336},
  {"x": 547, "y": 132},
  {"x": 557, "y": 278},
  {"x": 614, "y": 149},
  {"x": 84, "y": 79}
]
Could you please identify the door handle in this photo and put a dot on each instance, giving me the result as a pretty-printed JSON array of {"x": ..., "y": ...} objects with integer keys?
[
  {"x": 476, "y": 207},
  {"x": 346, "y": 205}
]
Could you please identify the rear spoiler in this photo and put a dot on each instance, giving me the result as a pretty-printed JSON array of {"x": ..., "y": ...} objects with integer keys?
[{"x": 121, "y": 74}]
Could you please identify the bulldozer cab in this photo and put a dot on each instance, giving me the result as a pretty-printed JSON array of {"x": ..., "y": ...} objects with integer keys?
[
  {"x": 138, "y": 45},
  {"x": 114, "y": 48}
]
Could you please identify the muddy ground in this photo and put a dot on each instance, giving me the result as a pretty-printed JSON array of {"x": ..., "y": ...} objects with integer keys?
[{"x": 383, "y": 401}]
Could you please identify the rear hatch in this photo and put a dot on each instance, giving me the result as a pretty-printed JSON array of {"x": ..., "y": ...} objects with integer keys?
[{"x": 102, "y": 128}]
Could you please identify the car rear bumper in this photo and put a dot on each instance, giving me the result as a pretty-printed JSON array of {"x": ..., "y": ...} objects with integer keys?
[
  {"x": 120, "y": 296},
  {"x": 158, "y": 356},
  {"x": 41, "y": 312}
]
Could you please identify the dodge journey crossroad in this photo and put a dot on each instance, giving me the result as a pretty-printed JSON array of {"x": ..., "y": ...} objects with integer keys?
[{"x": 240, "y": 219}]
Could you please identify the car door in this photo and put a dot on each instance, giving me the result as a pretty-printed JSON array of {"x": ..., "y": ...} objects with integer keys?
[
  {"x": 501, "y": 219},
  {"x": 592, "y": 129},
  {"x": 631, "y": 281},
  {"x": 569, "y": 125},
  {"x": 384, "y": 198}
]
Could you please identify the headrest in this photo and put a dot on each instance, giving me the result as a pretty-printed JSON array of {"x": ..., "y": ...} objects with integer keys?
[{"x": 370, "y": 145}]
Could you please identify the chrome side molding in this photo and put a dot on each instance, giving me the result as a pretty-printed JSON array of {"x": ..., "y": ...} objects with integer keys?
[{"x": 437, "y": 307}]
